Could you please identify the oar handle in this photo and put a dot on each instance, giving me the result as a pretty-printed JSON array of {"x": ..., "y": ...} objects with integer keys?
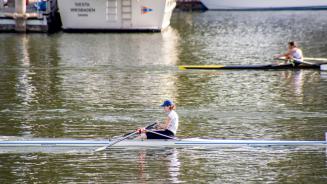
[
  {"x": 150, "y": 126},
  {"x": 147, "y": 127}
]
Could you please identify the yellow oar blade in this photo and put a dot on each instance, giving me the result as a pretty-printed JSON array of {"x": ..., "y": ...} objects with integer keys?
[
  {"x": 182, "y": 67},
  {"x": 186, "y": 67}
]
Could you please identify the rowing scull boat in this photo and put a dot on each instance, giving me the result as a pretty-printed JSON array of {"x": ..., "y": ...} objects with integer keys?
[
  {"x": 156, "y": 143},
  {"x": 249, "y": 67}
]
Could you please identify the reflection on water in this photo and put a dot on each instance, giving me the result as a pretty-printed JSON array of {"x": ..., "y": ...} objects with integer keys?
[
  {"x": 174, "y": 167},
  {"x": 120, "y": 63},
  {"x": 195, "y": 165},
  {"x": 101, "y": 85},
  {"x": 26, "y": 90},
  {"x": 119, "y": 51},
  {"x": 171, "y": 164}
]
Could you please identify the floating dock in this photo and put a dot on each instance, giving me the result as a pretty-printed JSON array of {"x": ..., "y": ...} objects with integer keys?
[{"x": 28, "y": 16}]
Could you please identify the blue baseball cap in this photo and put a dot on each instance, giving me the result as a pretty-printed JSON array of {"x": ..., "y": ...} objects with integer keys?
[{"x": 167, "y": 103}]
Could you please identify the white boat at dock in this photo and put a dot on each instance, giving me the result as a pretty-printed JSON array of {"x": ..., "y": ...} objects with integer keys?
[
  {"x": 265, "y": 4},
  {"x": 116, "y": 15}
]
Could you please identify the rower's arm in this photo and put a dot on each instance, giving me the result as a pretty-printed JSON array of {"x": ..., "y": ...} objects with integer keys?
[
  {"x": 165, "y": 124},
  {"x": 287, "y": 55}
]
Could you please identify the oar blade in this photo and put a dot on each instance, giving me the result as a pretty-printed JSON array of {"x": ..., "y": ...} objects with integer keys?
[{"x": 200, "y": 67}]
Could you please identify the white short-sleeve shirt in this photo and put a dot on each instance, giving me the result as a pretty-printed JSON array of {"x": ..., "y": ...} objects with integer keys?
[
  {"x": 173, "y": 125},
  {"x": 297, "y": 54}
]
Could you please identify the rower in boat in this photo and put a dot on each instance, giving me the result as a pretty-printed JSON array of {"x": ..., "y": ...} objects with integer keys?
[
  {"x": 165, "y": 130},
  {"x": 293, "y": 55}
]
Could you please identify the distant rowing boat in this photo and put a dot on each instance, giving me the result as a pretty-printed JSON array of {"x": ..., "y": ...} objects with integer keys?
[
  {"x": 157, "y": 143},
  {"x": 249, "y": 67}
]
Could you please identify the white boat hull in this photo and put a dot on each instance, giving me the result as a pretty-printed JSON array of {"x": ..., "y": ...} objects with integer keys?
[
  {"x": 157, "y": 143},
  {"x": 264, "y": 4},
  {"x": 116, "y": 14}
]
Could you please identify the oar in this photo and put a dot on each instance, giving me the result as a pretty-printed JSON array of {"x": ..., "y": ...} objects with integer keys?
[
  {"x": 121, "y": 139},
  {"x": 304, "y": 62},
  {"x": 306, "y": 59},
  {"x": 147, "y": 127},
  {"x": 115, "y": 142},
  {"x": 316, "y": 59},
  {"x": 169, "y": 137}
]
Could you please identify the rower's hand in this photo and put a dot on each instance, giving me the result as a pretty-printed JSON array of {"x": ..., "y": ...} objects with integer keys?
[
  {"x": 140, "y": 130},
  {"x": 157, "y": 125},
  {"x": 277, "y": 56}
]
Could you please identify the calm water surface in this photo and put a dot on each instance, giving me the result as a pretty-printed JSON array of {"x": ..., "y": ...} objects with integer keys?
[{"x": 101, "y": 85}]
